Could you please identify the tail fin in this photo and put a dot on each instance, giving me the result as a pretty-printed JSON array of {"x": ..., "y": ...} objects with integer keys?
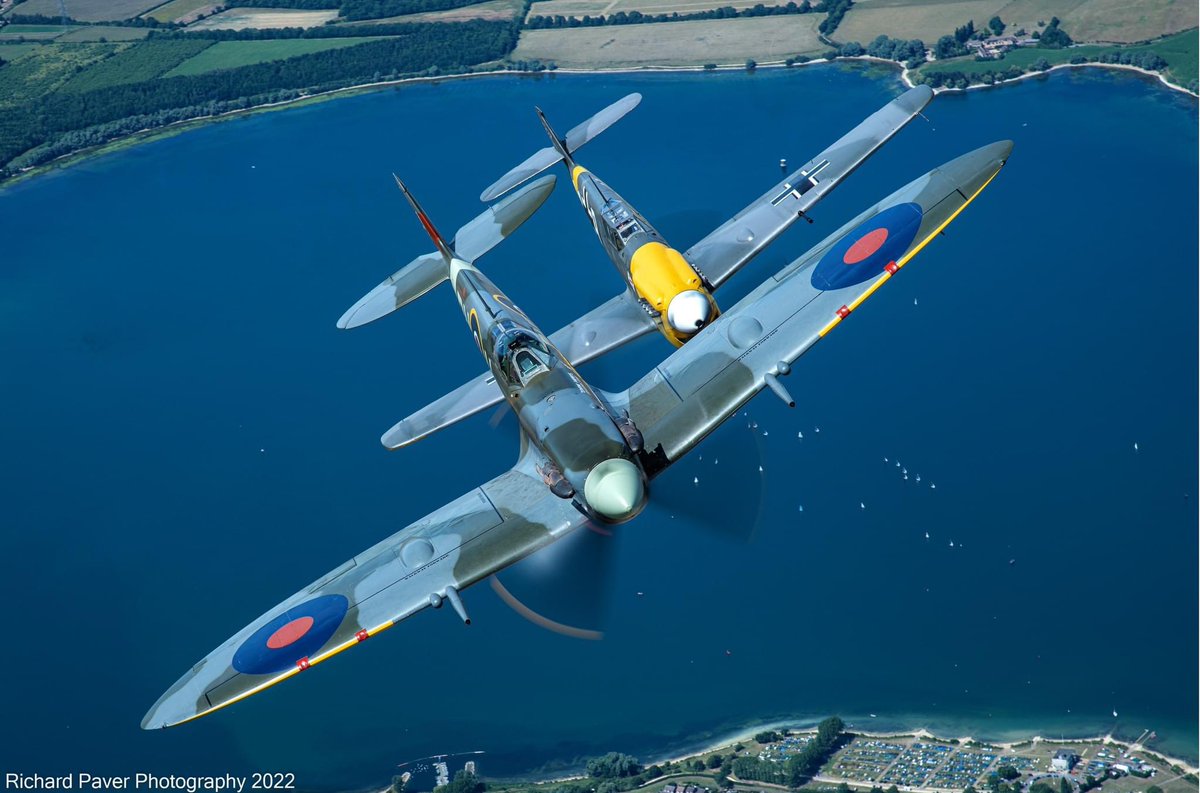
[
  {"x": 544, "y": 158},
  {"x": 443, "y": 247},
  {"x": 560, "y": 144}
]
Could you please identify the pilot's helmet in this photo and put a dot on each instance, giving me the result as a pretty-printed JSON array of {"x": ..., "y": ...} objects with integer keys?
[{"x": 689, "y": 311}]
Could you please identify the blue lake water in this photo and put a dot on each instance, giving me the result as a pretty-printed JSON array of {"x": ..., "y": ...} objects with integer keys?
[{"x": 187, "y": 439}]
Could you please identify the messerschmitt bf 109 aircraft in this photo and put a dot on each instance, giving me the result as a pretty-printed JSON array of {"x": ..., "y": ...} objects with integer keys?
[
  {"x": 661, "y": 283},
  {"x": 675, "y": 289},
  {"x": 630, "y": 437}
]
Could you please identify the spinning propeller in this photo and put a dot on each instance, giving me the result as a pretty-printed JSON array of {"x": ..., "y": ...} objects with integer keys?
[{"x": 566, "y": 587}]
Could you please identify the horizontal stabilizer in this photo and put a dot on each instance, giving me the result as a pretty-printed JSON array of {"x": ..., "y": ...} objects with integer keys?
[
  {"x": 501, "y": 219},
  {"x": 548, "y": 156},
  {"x": 604, "y": 328},
  {"x": 402, "y": 287},
  {"x": 472, "y": 241}
]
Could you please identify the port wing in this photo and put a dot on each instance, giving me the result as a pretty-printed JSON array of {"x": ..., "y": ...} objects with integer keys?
[
  {"x": 579, "y": 135},
  {"x": 465, "y": 541},
  {"x": 471, "y": 241},
  {"x": 604, "y": 328},
  {"x": 753, "y": 343},
  {"x": 727, "y": 249}
]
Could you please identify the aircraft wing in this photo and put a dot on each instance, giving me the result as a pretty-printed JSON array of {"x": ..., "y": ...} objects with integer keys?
[
  {"x": 723, "y": 252},
  {"x": 465, "y": 541},
  {"x": 754, "y": 343},
  {"x": 609, "y": 325}
]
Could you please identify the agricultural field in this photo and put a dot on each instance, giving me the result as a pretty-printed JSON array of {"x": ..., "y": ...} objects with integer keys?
[
  {"x": 47, "y": 68},
  {"x": 240, "y": 18},
  {"x": 104, "y": 33},
  {"x": 33, "y": 32},
  {"x": 181, "y": 10},
  {"x": 1084, "y": 20},
  {"x": 721, "y": 41},
  {"x": 231, "y": 54},
  {"x": 10, "y": 52},
  {"x": 145, "y": 61},
  {"x": 1120, "y": 20},
  {"x": 88, "y": 10},
  {"x": 493, "y": 9},
  {"x": 578, "y": 8}
]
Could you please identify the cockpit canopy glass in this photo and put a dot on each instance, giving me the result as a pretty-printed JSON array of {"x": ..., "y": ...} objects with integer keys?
[{"x": 522, "y": 356}]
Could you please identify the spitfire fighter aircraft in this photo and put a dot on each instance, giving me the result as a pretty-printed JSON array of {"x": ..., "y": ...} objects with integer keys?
[
  {"x": 661, "y": 283},
  {"x": 585, "y": 453}
]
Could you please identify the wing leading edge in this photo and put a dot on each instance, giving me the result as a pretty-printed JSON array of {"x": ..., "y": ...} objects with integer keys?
[
  {"x": 752, "y": 344},
  {"x": 485, "y": 530}
]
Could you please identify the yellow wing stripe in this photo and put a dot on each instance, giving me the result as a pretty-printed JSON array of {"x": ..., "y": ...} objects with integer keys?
[
  {"x": 293, "y": 671},
  {"x": 906, "y": 258}
]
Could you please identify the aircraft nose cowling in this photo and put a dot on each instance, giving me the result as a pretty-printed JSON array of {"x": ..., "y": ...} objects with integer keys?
[
  {"x": 689, "y": 311},
  {"x": 614, "y": 489}
]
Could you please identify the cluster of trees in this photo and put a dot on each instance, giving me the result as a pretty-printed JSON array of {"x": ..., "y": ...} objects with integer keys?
[
  {"x": 613, "y": 765},
  {"x": 463, "y": 782},
  {"x": 540, "y": 21},
  {"x": 948, "y": 47},
  {"x": 304, "y": 5},
  {"x": 355, "y": 10},
  {"x": 57, "y": 123},
  {"x": 1053, "y": 37},
  {"x": 43, "y": 19},
  {"x": 801, "y": 766},
  {"x": 997, "y": 26},
  {"x": 910, "y": 52},
  {"x": 1145, "y": 59},
  {"x": 834, "y": 10}
]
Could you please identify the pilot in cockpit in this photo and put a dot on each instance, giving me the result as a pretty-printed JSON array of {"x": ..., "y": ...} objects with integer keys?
[{"x": 524, "y": 358}]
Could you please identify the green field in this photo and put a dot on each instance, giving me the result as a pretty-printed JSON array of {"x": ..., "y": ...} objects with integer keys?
[
  {"x": 89, "y": 10},
  {"x": 47, "y": 68},
  {"x": 1179, "y": 51},
  {"x": 231, "y": 54},
  {"x": 34, "y": 32},
  {"x": 10, "y": 52},
  {"x": 145, "y": 61}
]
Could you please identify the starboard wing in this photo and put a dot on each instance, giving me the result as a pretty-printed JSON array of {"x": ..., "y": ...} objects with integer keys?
[
  {"x": 465, "y": 541},
  {"x": 727, "y": 249},
  {"x": 726, "y": 364},
  {"x": 604, "y": 328}
]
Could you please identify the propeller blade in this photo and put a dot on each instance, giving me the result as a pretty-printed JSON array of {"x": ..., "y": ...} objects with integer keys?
[{"x": 564, "y": 587}]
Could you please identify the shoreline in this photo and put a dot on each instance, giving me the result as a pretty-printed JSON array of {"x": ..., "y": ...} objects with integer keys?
[
  {"x": 151, "y": 134},
  {"x": 747, "y": 733}
]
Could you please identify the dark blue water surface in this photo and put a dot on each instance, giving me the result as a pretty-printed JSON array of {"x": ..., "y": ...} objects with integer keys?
[{"x": 187, "y": 439}]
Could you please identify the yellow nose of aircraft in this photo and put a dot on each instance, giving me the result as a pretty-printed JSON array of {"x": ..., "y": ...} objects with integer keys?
[{"x": 615, "y": 490}]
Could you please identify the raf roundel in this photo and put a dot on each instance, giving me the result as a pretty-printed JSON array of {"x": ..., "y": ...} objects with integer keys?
[
  {"x": 865, "y": 252},
  {"x": 291, "y": 637}
]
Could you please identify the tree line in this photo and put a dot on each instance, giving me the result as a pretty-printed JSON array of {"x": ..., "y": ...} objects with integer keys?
[{"x": 61, "y": 122}]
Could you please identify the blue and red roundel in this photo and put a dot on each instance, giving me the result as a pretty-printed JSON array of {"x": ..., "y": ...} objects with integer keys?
[
  {"x": 865, "y": 252},
  {"x": 292, "y": 636}
]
